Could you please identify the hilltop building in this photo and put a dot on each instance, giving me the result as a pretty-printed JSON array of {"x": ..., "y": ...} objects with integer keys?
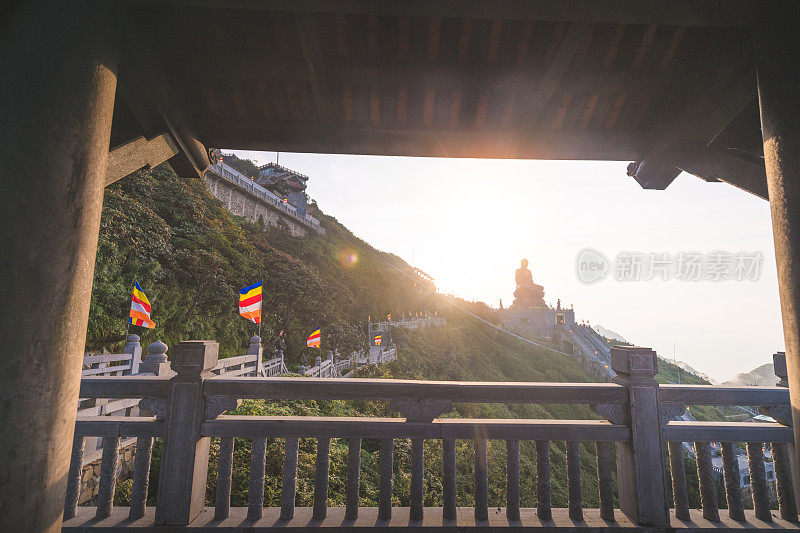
[
  {"x": 276, "y": 196},
  {"x": 285, "y": 183}
]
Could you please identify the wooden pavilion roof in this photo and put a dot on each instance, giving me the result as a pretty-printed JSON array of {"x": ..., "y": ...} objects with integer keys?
[{"x": 670, "y": 82}]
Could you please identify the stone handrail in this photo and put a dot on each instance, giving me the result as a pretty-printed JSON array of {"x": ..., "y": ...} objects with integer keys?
[
  {"x": 130, "y": 359},
  {"x": 232, "y": 175},
  {"x": 322, "y": 368},
  {"x": 408, "y": 323},
  {"x": 189, "y": 409}
]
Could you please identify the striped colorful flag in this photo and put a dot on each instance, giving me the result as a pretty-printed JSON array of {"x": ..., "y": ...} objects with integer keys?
[
  {"x": 250, "y": 302},
  {"x": 313, "y": 340},
  {"x": 377, "y": 340},
  {"x": 140, "y": 308}
]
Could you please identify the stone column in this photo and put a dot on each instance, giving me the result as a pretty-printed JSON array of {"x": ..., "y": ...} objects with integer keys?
[
  {"x": 184, "y": 466},
  {"x": 135, "y": 349},
  {"x": 256, "y": 349},
  {"x": 778, "y": 90},
  {"x": 641, "y": 470},
  {"x": 59, "y": 72}
]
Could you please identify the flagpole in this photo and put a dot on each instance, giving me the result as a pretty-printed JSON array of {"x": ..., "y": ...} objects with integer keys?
[{"x": 128, "y": 326}]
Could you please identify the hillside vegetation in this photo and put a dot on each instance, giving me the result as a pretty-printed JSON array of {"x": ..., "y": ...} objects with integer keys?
[{"x": 190, "y": 256}]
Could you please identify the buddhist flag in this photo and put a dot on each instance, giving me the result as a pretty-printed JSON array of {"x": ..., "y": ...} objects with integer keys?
[
  {"x": 377, "y": 340},
  {"x": 389, "y": 317},
  {"x": 250, "y": 302},
  {"x": 140, "y": 308},
  {"x": 313, "y": 340}
]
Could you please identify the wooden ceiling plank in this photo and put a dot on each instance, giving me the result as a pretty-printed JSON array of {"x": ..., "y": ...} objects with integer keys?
[
  {"x": 463, "y": 40},
  {"x": 613, "y": 48},
  {"x": 732, "y": 13},
  {"x": 494, "y": 40},
  {"x": 455, "y": 108},
  {"x": 434, "y": 36},
  {"x": 402, "y": 106},
  {"x": 341, "y": 35},
  {"x": 404, "y": 38},
  {"x": 427, "y": 107},
  {"x": 553, "y": 74},
  {"x": 644, "y": 46},
  {"x": 524, "y": 42},
  {"x": 312, "y": 54}
]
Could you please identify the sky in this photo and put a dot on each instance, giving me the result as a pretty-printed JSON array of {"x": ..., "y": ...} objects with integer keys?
[{"x": 468, "y": 222}]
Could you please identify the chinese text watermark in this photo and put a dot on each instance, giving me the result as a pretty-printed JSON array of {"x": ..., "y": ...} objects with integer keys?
[{"x": 593, "y": 266}]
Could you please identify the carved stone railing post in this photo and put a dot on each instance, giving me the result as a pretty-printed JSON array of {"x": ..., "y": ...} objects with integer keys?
[
  {"x": 133, "y": 347},
  {"x": 641, "y": 470},
  {"x": 184, "y": 465},
  {"x": 156, "y": 361},
  {"x": 783, "y": 414},
  {"x": 256, "y": 349}
]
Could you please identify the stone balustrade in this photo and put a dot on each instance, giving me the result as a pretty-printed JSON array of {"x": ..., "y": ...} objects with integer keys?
[{"x": 188, "y": 412}]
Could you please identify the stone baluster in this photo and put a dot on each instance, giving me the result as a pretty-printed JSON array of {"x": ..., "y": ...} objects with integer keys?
[
  {"x": 733, "y": 489},
  {"x": 318, "y": 363},
  {"x": 784, "y": 415},
  {"x": 641, "y": 471},
  {"x": 758, "y": 481},
  {"x": 574, "y": 480},
  {"x": 783, "y": 480},
  {"x": 224, "y": 479},
  {"x": 255, "y": 493},
  {"x": 417, "y": 478},
  {"x": 256, "y": 349},
  {"x": 133, "y": 347},
  {"x": 605, "y": 478},
  {"x": 108, "y": 477},
  {"x": 543, "y": 495},
  {"x": 156, "y": 361},
  {"x": 74, "y": 478},
  {"x": 449, "y": 479},
  {"x": 289, "y": 485},
  {"x": 184, "y": 465},
  {"x": 708, "y": 485},
  {"x": 512, "y": 479},
  {"x": 481, "y": 476},
  {"x": 385, "y": 480},
  {"x": 321, "y": 477},
  {"x": 680, "y": 492},
  {"x": 353, "y": 473},
  {"x": 141, "y": 477}
]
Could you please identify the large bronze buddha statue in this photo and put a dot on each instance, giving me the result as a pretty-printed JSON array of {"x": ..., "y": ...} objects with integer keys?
[{"x": 527, "y": 294}]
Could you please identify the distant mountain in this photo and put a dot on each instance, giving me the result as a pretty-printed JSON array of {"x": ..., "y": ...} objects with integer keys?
[
  {"x": 687, "y": 368},
  {"x": 761, "y": 376},
  {"x": 608, "y": 334}
]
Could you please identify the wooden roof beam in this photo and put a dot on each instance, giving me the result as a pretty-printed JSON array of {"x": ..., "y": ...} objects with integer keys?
[
  {"x": 550, "y": 80},
  {"x": 139, "y": 153},
  {"x": 312, "y": 53},
  {"x": 733, "y": 13}
]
